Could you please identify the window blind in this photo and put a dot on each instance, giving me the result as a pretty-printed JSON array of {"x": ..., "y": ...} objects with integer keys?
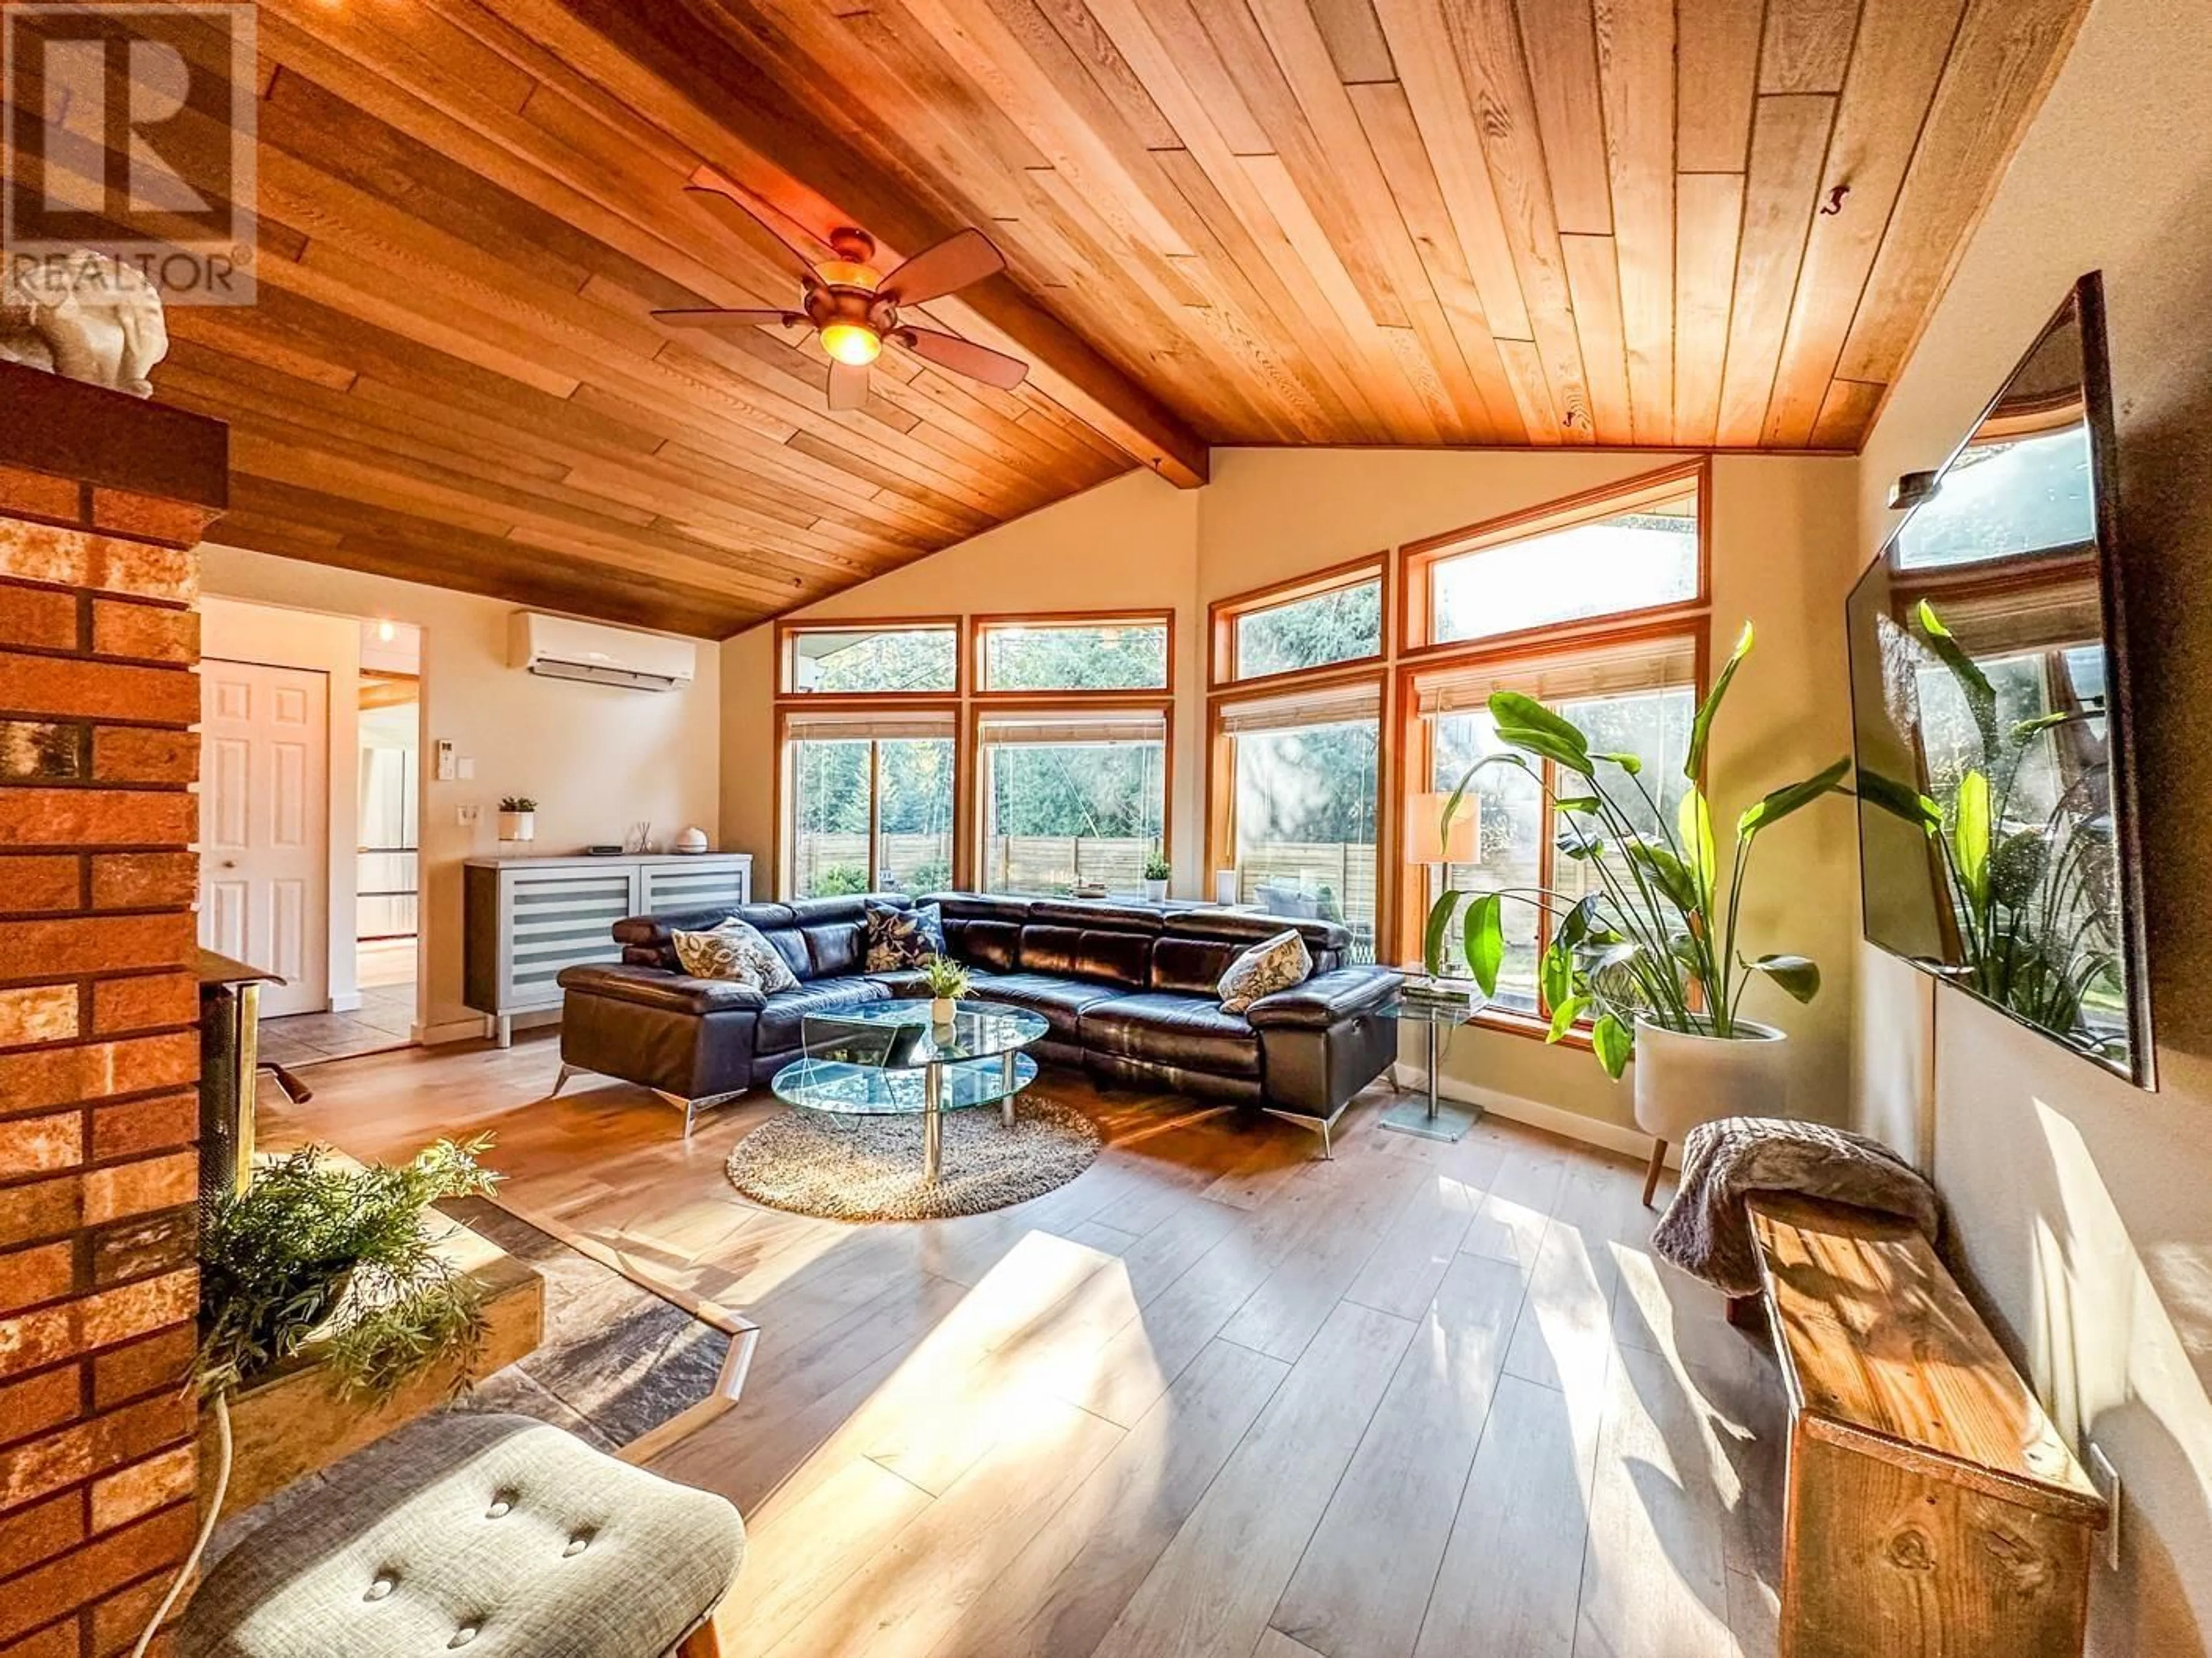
[
  {"x": 890, "y": 725},
  {"x": 1603, "y": 670},
  {"x": 1336, "y": 706},
  {"x": 1101, "y": 726}
]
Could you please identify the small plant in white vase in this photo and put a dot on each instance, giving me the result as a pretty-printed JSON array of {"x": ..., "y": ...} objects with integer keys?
[
  {"x": 1647, "y": 955},
  {"x": 948, "y": 981},
  {"x": 518, "y": 817},
  {"x": 1158, "y": 873}
]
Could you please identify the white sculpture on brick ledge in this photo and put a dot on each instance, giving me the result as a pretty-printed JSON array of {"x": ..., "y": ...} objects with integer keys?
[{"x": 84, "y": 316}]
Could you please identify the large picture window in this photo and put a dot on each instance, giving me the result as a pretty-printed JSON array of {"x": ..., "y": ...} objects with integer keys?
[
  {"x": 1092, "y": 653},
  {"x": 869, "y": 658},
  {"x": 870, "y": 805},
  {"x": 1073, "y": 801},
  {"x": 1632, "y": 550},
  {"x": 1632, "y": 695},
  {"x": 1304, "y": 772}
]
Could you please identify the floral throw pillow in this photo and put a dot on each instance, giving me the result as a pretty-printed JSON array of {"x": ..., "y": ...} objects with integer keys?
[
  {"x": 734, "y": 950},
  {"x": 1270, "y": 965},
  {"x": 900, "y": 938}
]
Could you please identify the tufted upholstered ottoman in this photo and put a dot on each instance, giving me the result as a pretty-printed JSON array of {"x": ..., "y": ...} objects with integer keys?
[{"x": 496, "y": 1535}]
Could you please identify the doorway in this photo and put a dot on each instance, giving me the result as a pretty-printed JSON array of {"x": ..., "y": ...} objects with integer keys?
[
  {"x": 309, "y": 814},
  {"x": 387, "y": 886}
]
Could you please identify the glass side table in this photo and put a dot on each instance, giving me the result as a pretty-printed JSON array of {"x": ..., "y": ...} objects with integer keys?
[{"x": 1440, "y": 1005}]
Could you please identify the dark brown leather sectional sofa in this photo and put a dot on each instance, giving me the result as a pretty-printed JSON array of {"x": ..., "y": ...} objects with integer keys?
[{"x": 1128, "y": 991}]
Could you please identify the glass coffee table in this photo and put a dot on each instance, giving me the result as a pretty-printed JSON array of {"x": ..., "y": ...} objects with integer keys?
[{"x": 890, "y": 1058}]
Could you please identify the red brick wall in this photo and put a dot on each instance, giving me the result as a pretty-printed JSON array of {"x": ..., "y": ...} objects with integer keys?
[{"x": 98, "y": 1054}]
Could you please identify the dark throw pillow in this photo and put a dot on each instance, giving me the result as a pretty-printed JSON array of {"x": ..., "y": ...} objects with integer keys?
[{"x": 900, "y": 938}]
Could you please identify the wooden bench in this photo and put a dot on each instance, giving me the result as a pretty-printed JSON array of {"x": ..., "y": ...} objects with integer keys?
[{"x": 1933, "y": 1508}]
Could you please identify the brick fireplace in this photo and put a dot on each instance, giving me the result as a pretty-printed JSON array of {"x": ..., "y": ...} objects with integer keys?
[{"x": 102, "y": 499}]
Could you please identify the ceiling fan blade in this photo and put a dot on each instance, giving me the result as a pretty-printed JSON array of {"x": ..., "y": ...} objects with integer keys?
[
  {"x": 977, "y": 362},
  {"x": 721, "y": 320},
  {"x": 966, "y": 256},
  {"x": 755, "y": 231},
  {"x": 848, "y": 387}
]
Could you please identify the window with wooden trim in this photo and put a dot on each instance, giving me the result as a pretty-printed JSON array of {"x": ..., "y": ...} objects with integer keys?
[
  {"x": 868, "y": 659},
  {"x": 1634, "y": 549},
  {"x": 869, "y": 803},
  {"x": 1633, "y": 693},
  {"x": 1329, "y": 620},
  {"x": 1070, "y": 799},
  {"x": 1060, "y": 655},
  {"x": 1301, "y": 776}
]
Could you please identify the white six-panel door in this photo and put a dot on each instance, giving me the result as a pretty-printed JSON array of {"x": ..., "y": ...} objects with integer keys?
[{"x": 264, "y": 826}]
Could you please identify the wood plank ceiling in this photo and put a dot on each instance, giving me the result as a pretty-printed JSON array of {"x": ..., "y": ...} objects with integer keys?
[{"x": 1715, "y": 224}]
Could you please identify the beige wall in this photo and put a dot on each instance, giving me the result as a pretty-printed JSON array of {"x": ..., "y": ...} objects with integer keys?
[
  {"x": 2082, "y": 1207},
  {"x": 1782, "y": 554},
  {"x": 595, "y": 758}
]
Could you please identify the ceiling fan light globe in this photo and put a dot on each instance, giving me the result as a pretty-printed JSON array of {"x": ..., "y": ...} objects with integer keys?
[{"x": 852, "y": 342}]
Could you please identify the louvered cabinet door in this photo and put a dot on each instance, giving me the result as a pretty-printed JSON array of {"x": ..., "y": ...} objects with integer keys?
[{"x": 677, "y": 887}]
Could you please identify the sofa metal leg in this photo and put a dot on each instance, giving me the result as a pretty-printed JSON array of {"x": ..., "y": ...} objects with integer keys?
[
  {"x": 561, "y": 1081},
  {"x": 692, "y": 1108},
  {"x": 1652, "y": 1172}
]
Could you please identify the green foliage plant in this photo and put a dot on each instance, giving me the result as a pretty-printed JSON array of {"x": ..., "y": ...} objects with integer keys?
[
  {"x": 2025, "y": 895},
  {"x": 517, "y": 802},
  {"x": 841, "y": 881},
  {"x": 1657, "y": 941},
  {"x": 318, "y": 1247},
  {"x": 1156, "y": 868},
  {"x": 947, "y": 980}
]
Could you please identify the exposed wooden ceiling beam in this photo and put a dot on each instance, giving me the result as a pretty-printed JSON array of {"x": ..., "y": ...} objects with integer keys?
[{"x": 819, "y": 183}]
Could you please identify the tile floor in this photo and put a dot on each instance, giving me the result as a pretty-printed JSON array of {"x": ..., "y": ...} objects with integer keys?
[{"x": 384, "y": 1019}]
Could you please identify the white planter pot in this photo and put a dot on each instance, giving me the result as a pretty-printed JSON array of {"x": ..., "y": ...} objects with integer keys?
[
  {"x": 518, "y": 826},
  {"x": 942, "y": 1009},
  {"x": 1156, "y": 891},
  {"x": 1682, "y": 1080}
]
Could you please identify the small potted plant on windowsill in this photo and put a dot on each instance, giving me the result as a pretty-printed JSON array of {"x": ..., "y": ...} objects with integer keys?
[
  {"x": 518, "y": 817},
  {"x": 948, "y": 981},
  {"x": 1158, "y": 873}
]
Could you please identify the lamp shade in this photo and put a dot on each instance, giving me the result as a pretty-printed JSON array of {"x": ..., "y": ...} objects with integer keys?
[{"x": 1422, "y": 813}]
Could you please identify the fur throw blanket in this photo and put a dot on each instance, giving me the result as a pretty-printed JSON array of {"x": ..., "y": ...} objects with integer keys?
[{"x": 1705, "y": 1231}]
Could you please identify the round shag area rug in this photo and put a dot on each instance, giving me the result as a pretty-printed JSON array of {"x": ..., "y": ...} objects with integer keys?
[{"x": 859, "y": 1168}]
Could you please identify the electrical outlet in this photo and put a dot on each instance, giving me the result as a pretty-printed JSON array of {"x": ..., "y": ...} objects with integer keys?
[
  {"x": 468, "y": 816},
  {"x": 2106, "y": 1478}
]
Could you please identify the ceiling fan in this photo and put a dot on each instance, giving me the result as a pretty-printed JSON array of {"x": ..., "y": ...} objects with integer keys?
[{"x": 855, "y": 309}]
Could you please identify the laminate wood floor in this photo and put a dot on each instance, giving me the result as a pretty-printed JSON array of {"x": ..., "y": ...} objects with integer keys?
[{"x": 1216, "y": 1397}]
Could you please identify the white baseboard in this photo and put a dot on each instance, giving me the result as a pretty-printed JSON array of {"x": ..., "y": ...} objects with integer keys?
[
  {"x": 349, "y": 1003},
  {"x": 472, "y": 1029},
  {"x": 1568, "y": 1125}
]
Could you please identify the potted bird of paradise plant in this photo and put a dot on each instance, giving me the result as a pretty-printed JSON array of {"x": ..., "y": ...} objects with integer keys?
[{"x": 1649, "y": 960}]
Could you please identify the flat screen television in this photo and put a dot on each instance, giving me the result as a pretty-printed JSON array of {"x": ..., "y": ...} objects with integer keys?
[{"x": 1997, "y": 846}]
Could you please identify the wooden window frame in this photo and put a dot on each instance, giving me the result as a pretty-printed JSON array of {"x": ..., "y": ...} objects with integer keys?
[
  {"x": 981, "y": 709},
  {"x": 1222, "y": 614},
  {"x": 976, "y": 663},
  {"x": 782, "y": 794},
  {"x": 787, "y": 632},
  {"x": 1221, "y": 774},
  {"x": 1415, "y": 751},
  {"x": 1417, "y": 559}
]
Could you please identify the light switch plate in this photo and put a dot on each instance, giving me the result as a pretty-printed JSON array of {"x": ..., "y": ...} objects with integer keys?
[
  {"x": 443, "y": 771},
  {"x": 468, "y": 769},
  {"x": 2106, "y": 1478}
]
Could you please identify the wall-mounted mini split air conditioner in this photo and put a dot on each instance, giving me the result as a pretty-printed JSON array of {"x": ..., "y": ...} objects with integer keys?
[{"x": 559, "y": 648}]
